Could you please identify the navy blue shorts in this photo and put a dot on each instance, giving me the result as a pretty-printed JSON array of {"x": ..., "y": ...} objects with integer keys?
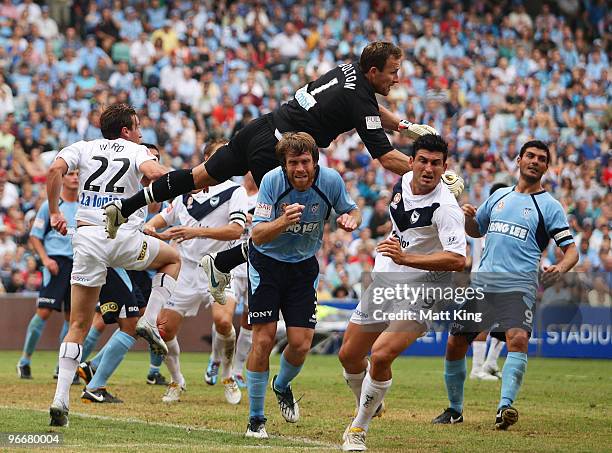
[
  {"x": 55, "y": 292},
  {"x": 276, "y": 286},
  {"x": 141, "y": 282},
  {"x": 116, "y": 299}
]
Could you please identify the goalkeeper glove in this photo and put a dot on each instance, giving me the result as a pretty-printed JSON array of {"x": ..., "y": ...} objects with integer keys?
[
  {"x": 454, "y": 182},
  {"x": 414, "y": 131}
]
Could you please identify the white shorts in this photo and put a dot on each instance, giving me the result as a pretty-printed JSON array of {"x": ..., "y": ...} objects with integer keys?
[
  {"x": 240, "y": 286},
  {"x": 191, "y": 291},
  {"x": 94, "y": 252}
]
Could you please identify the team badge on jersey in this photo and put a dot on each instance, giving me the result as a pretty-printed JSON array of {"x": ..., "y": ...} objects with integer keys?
[
  {"x": 526, "y": 212},
  {"x": 214, "y": 201},
  {"x": 414, "y": 217},
  {"x": 189, "y": 202},
  {"x": 500, "y": 206},
  {"x": 314, "y": 208},
  {"x": 397, "y": 198}
]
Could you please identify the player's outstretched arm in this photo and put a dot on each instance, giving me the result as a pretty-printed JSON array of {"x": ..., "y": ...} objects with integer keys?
[
  {"x": 58, "y": 169},
  {"x": 396, "y": 161},
  {"x": 439, "y": 261},
  {"x": 150, "y": 228},
  {"x": 349, "y": 221},
  {"x": 152, "y": 170},
  {"x": 264, "y": 232},
  {"x": 229, "y": 232}
]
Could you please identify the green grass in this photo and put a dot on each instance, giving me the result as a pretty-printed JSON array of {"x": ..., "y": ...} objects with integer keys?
[{"x": 564, "y": 405}]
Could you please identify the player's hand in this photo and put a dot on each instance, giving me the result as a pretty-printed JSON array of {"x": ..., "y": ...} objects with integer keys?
[
  {"x": 58, "y": 223},
  {"x": 150, "y": 231},
  {"x": 293, "y": 213},
  {"x": 551, "y": 275},
  {"x": 454, "y": 182},
  {"x": 414, "y": 131},
  {"x": 51, "y": 265},
  {"x": 182, "y": 233},
  {"x": 469, "y": 210},
  {"x": 392, "y": 248},
  {"x": 347, "y": 222}
]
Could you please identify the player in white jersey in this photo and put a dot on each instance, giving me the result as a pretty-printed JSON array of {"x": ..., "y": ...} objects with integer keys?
[
  {"x": 427, "y": 242},
  {"x": 208, "y": 222},
  {"x": 109, "y": 168}
]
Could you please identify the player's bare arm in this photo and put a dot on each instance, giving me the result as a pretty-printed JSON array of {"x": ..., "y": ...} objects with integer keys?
[
  {"x": 439, "y": 261},
  {"x": 471, "y": 226},
  {"x": 567, "y": 263},
  {"x": 229, "y": 232},
  {"x": 268, "y": 231},
  {"x": 54, "y": 186},
  {"x": 349, "y": 221},
  {"x": 152, "y": 170},
  {"x": 396, "y": 161},
  {"x": 39, "y": 248},
  {"x": 150, "y": 228}
]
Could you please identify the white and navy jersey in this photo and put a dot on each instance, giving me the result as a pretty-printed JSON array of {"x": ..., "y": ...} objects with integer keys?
[
  {"x": 223, "y": 204},
  {"x": 241, "y": 271},
  {"x": 337, "y": 102},
  {"x": 108, "y": 170},
  {"x": 424, "y": 224},
  {"x": 519, "y": 227}
]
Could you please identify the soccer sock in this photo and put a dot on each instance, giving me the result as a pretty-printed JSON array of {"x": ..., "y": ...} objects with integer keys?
[
  {"x": 172, "y": 361},
  {"x": 165, "y": 188},
  {"x": 243, "y": 347},
  {"x": 372, "y": 394},
  {"x": 495, "y": 349},
  {"x": 479, "y": 350},
  {"x": 35, "y": 328},
  {"x": 95, "y": 362},
  {"x": 286, "y": 374},
  {"x": 512, "y": 377},
  {"x": 161, "y": 287},
  {"x": 116, "y": 349},
  {"x": 64, "y": 331},
  {"x": 226, "y": 345},
  {"x": 69, "y": 359},
  {"x": 355, "y": 382},
  {"x": 90, "y": 341},
  {"x": 257, "y": 382},
  {"x": 454, "y": 377},
  {"x": 231, "y": 258},
  {"x": 155, "y": 361}
]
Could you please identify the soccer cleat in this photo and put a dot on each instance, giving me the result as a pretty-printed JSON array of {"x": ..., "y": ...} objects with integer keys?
[
  {"x": 156, "y": 378},
  {"x": 256, "y": 428},
  {"x": 113, "y": 218},
  {"x": 506, "y": 417},
  {"x": 286, "y": 403},
  {"x": 59, "y": 414},
  {"x": 240, "y": 381},
  {"x": 217, "y": 280},
  {"x": 24, "y": 371},
  {"x": 86, "y": 372},
  {"x": 151, "y": 335},
  {"x": 212, "y": 372},
  {"x": 354, "y": 439},
  {"x": 448, "y": 417},
  {"x": 233, "y": 395},
  {"x": 492, "y": 369},
  {"x": 99, "y": 396},
  {"x": 173, "y": 393},
  {"x": 483, "y": 376}
]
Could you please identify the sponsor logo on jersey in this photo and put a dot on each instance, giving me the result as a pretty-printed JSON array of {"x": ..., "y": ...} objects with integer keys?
[
  {"x": 451, "y": 240},
  {"x": 38, "y": 223},
  {"x": 303, "y": 228},
  {"x": 109, "y": 306},
  {"x": 500, "y": 205},
  {"x": 143, "y": 251},
  {"x": 397, "y": 198},
  {"x": 373, "y": 122},
  {"x": 94, "y": 200},
  {"x": 304, "y": 98},
  {"x": 414, "y": 217},
  {"x": 263, "y": 210},
  {"x": 508, "y": 229},
  {"x": 79, "y": 278},
  {"x": 260, "y": 314}
]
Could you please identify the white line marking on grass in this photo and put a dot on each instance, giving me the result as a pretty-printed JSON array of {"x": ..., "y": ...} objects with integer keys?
[{"x": 310, "y": 442}]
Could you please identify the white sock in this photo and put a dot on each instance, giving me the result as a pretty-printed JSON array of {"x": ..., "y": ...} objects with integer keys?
[
  {"x": 243, "y": 347},
  {"x": 161, "y": 287},
  {"x": 495, "y": 349},
  {"x": 372, "y": 394},
  {"x": 69, "y": 358},
  {"x": 225, "y": 345},
  {"x": 479, "y": 350},
  {"x": 172, "y": 361},
  {"x": 355, "y": 382}
]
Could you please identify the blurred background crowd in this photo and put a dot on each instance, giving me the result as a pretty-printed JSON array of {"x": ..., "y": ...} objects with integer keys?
[{"x": 488, "y": 75}]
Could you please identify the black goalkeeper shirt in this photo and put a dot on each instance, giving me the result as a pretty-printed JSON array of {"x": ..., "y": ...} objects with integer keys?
[{"x": 337, "y": 102}]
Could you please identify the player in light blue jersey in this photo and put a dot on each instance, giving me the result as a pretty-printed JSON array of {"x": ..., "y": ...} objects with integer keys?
[
  {"x": 293, "y": 204},
  {"x": 519, "y": 223}
]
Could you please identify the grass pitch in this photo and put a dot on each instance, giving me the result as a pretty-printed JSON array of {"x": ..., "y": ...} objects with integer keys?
[{"x": 564, "y": 405}]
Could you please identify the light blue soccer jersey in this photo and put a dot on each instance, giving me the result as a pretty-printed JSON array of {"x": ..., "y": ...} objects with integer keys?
[
  {"x": 300, "y": 241},
  {"x": 518, "y": 227},
  {"x": 55, "y": 244}
]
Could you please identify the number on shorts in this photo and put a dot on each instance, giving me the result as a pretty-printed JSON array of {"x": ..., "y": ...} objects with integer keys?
[{"x": 528, "y": 316}]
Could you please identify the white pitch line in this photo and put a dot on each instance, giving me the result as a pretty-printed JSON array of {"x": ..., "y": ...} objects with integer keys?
[{"x": 310, "y": 442}]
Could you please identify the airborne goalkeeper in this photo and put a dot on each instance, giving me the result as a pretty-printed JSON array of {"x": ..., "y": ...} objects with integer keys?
[{"x": 339, "y": 101}]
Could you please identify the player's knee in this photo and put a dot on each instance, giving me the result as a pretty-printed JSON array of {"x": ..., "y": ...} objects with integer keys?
[
  {"x": 223, "y": 325},
  {"x": 347, "y": 357},
  {"x": 518, "y": 342},
  {"x": 382, "y": 358},
  {"x": 456, "y": 347},
  {"x": 300, "y": 348},
  {"x": 43, "y": 313}
]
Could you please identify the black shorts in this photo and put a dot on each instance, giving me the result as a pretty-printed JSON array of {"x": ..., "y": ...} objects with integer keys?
[
  {"x": 286, "y": 287},
  {"x": 55, "y": 292},
  {"x": 500, "y": 312},
  {"x": 116, "y": 299},
  {"x": 252, "y": 148},
  {"x": 141, "y": 283}
]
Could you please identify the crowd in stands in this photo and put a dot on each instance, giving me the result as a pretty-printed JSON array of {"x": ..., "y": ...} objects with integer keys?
[{"x": 487, "y": 75}]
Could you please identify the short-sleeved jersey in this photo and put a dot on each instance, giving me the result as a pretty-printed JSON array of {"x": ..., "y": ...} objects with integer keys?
[
  {"x": 424, "y": 224},
  {"x": 302, "y": 240},
  {"x": 223, "y": 204},
  {"x": 241, "y": 271},
  {"x": 108, "y": 170},
  {"x": 337, "y": 102},
  {"x": 519, "y": 227},
  {"x": 54, "y": 243}
]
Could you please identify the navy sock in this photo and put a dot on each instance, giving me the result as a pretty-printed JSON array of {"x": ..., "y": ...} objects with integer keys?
[{"x": 231, "y": 258}]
